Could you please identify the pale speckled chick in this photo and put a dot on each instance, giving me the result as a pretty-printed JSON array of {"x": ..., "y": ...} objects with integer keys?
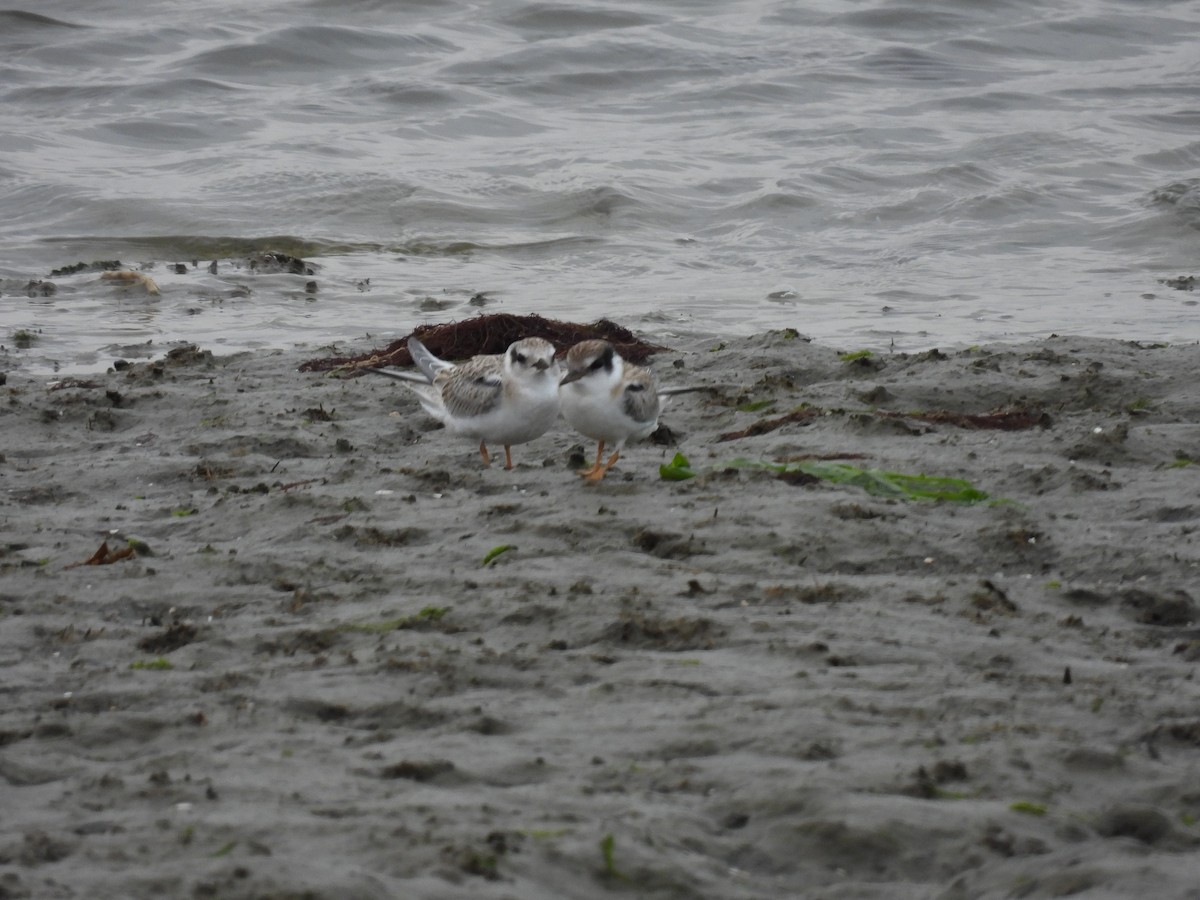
[{"x": 509, "y": 398}]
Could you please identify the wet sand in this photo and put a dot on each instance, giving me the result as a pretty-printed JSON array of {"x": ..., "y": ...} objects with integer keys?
[{"x": 305, "y": 681}]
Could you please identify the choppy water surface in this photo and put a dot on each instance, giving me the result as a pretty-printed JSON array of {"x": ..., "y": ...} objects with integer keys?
[{"x": 872, "y": 173}]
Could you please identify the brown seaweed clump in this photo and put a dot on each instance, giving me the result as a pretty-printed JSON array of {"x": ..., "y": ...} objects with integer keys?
[{"x": 490, "y": 333}]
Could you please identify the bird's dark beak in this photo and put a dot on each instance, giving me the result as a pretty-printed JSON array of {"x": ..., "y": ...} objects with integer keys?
[
  {"x": 572, "y": 376},
  {"x": 541, "y": 365}
]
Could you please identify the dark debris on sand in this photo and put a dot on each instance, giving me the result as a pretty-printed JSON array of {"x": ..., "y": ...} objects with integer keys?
[{"x": 490, "y": 334}]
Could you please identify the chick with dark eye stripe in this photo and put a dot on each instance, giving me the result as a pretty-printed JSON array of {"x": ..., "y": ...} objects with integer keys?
[{"x": 610, "y": 400}]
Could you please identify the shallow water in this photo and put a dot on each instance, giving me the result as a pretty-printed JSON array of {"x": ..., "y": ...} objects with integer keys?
[{"x": 873, "y": 174}]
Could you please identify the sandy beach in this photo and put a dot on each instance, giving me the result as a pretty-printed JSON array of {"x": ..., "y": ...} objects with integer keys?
[{"x": 331, "y": 656}]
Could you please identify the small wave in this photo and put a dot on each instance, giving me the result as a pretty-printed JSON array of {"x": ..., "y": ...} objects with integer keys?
[
  {"x": 1000, "y": 102},
  {"x": 200, "y": 247},
  {"x": 406, "y": 95},
  {"x": 181, "y": 90},
  {"x": 156, "y": 133},
  {"x": 587, "y": 209},
  {"x": 746, "y": 92},
  {"x": 635, "y": 67},
  {"x": 1182, "y": 121},
  {"x": 1179, "y": 158},
  {"x": 842, "y": 181},
  {"x": 1181, "y": 196},
  {"x": 301, "y": 49},
  {"x": 91, "y": 101},
  {"x": 132, "y": 248},
  {"x": 1178, "y": 193},
  {"x": 54, "y": 96},
  {"x": 18, "y": 22},
  {"x": 1091, "y": 39},
  {"x": 365, "y": 8},
  {"x": 922, "y": 65},
  {"x": 542, "y": 20},
  {"x": 358, "y": 41},
  {"x": 906, "y": 18},
  {"x": 434, "y": 247},
  {"x": 1016, "y": 202},
  {"x": 768, "y": 203},
  {"x": 527, "y": 210}
]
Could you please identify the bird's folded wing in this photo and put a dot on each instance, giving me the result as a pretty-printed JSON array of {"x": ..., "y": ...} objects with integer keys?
[
  {"x": 640, "y": 401},
  {"x": 471, "y": 396}
]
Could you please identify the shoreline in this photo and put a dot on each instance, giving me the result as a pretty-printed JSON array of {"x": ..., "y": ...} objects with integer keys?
[{"x": 307, "y": 678}]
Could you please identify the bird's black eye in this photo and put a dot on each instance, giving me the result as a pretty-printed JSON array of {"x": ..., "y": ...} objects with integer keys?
[
  {"x": 597, "y": 365},
  {"x": 519, "y": 357}
]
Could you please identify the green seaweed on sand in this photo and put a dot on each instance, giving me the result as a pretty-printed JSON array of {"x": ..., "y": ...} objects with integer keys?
[
  {"x": 880, "y": 483},
  {"x": 854, "y": 355},
  {"x": 140, "y": 547},
  {"x": 494, "y": 553},
  {"x": 482, "y": 864},
  {"x": 678, "y": 469},
  {"x": 608, "y": 851},
  {"x": 1028, "y": 808},
  {"x": 427, "y": 614},
  {"x": 161, "y": 663},
  {"x": 943, "y": 794},
  {"x": 755, "y": 405}
]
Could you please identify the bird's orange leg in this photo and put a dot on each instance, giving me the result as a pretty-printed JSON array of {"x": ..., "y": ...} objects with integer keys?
[
  {"x": 507, "y": 458},
  {"x": 601, "y": 470},
  {"x": 595, "y": 467},
  {"x": 487, "y": 460}
]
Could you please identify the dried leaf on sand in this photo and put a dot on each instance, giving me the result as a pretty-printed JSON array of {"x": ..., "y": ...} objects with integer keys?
[{"x": 103, "y": 556}]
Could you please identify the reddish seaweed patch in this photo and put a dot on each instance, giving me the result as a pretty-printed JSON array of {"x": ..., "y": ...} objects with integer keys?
[
  {"x": 490, "y": 334},
  {"x": 804, "y": 415},
  {"x": 1015, "y": 418}
]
